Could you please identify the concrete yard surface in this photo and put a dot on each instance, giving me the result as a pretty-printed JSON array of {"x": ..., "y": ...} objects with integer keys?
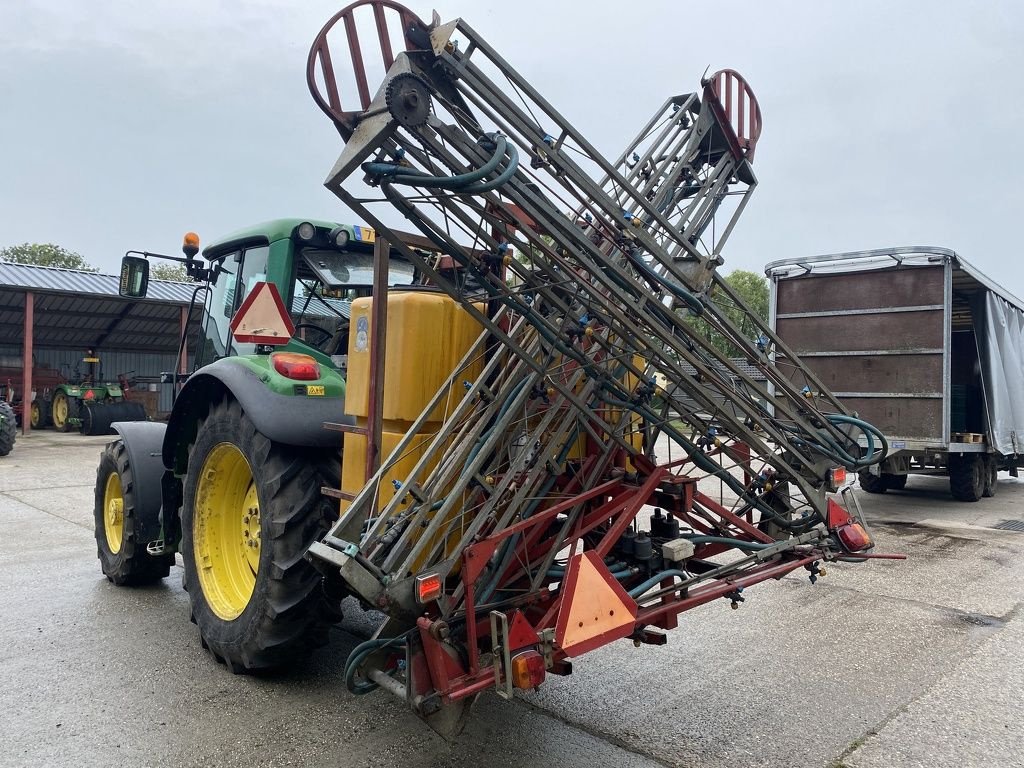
[{"x": 889, "y": 663}]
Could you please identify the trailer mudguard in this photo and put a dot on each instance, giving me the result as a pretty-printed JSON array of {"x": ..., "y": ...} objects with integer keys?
[
  {"x": 288, "y": 419},
  {"x": 144, "y": 440}
]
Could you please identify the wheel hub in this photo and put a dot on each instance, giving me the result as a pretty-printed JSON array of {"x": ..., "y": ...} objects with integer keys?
[{"x": 113, "y": 512}]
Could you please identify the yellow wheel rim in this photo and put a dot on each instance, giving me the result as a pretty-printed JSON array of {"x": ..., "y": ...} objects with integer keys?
[
  {"x": 113, "y": 512},
  {"x": 226, "y": 531},
  {"x": 34, "y": 414},
  {"x": 60, "y": 409}
]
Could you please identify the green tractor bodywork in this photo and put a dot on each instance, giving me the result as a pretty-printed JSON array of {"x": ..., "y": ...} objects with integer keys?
[{"x": 233, "y": 481}]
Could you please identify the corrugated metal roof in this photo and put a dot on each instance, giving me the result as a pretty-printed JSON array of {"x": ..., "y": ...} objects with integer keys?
[{"x": 54, "y": 279}]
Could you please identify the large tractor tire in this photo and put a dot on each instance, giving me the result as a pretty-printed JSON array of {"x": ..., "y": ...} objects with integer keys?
[
  {"x": 251, "y": 509},
  {"x": 62, "y": 410},
  {"x": 8, "y": 428},
  {"x": 967, "y": 477},
  {"x": 123, "y": 557},
  {"x": 872, "y": 483},
  {"x": 991, "y": 475}
]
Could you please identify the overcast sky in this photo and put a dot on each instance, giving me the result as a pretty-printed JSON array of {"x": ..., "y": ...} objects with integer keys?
[{"x": 124, "y": 124}]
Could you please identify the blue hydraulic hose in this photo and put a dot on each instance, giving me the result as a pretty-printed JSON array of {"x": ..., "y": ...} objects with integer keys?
[
  {"x": 464, "y": 183},
  {"x": 643, "y": 587}
]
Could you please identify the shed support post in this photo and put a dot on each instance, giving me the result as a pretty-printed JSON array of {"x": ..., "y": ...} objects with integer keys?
[{"x": 26, "y": 364}]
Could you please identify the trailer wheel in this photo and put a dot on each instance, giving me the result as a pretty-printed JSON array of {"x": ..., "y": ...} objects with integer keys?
[
  {"x": 895, "y": 482},
  {"x": 872, "y": 483},
  {"x": 991, "y": 475},
  {"x": 967, "y": 477},
  {"x": 123, "y": 558},
  {"x": 8, "y": 429},
  {"x": 251, "y": 509}
]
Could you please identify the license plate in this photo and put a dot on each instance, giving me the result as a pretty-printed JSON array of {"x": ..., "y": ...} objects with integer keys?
[
  {"x": 365, "y": 234},
  {"x": 316, "y": 390}
]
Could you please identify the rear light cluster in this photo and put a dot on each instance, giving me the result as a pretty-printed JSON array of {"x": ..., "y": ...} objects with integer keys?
[
  {"x": 428, "y": 587},
  {"x": 293, "y": 365},
  {"x": 527, "y": 670},
  {"x": 836, "y": 478}
]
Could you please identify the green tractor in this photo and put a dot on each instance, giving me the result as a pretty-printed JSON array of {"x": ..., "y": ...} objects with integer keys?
[
  {"x": 85, "y": 401},
  {"x": 233, "y": 481}
]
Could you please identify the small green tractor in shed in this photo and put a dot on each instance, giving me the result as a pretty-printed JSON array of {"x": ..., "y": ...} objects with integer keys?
[
  {"x": 85, "y": 402},
  {"x": 233, "y": 480}
]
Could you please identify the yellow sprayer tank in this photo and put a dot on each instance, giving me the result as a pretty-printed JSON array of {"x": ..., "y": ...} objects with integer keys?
[{"x": 428, "y": 333}]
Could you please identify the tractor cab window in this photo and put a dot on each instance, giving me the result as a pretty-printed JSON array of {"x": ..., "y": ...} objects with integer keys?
[{"x": 234, "y": 276}]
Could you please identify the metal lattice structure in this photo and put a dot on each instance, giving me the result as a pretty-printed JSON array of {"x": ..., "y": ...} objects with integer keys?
[{"x": 612, "y": 372}]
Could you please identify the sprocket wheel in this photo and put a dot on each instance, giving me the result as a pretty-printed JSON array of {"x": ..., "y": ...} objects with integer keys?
[{"x": 408, "y": 100}]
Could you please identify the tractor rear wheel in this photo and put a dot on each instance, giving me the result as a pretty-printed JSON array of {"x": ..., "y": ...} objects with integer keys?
[
  {"x": 123, "y": 557},
  {"x": 967, "y": 477},
  {"x": 8, "y": 429},
  {"x": 251, "y": 509},
  {"x": 62, "y": 410}
]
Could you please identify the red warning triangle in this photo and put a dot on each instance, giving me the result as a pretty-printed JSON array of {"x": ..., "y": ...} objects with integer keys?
[
  {"x": 262, "y": 318},
  {"x": 595, "y": 609}
]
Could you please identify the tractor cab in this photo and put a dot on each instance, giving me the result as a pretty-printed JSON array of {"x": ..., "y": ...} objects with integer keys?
[{"x": 317, "y": 267}]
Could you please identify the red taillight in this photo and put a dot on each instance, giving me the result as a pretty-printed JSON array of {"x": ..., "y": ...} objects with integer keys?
[
  {"x": 428, "y": 587},
  {"x": 851, "y": 534},
  {"x": 527, "y": 670},
  {"x": 854, "y": 538},
  {"x": 294, "y": 365}
]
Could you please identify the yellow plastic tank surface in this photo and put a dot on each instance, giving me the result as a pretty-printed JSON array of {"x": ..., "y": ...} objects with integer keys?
[{"x": 428, "y": 333}]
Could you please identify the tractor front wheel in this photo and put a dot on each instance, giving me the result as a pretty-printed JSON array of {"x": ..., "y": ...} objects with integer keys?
[
  {"x": 251, "y": 509},
  {"x": 123, "y": 557}
]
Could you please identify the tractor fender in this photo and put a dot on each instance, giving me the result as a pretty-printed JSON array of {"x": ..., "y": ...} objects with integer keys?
[
  {"x": 288, "y": 419},
  {"x": 144, "y": 441}
]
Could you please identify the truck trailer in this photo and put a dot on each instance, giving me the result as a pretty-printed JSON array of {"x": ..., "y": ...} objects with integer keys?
[{"x": 921, "y": 344}]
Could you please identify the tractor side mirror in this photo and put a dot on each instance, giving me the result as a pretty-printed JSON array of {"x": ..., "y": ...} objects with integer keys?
[{"x": 134, "y": 277}]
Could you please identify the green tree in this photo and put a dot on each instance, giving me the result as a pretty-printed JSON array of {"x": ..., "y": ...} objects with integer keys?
[
  {"x": 752, "y": 290},
  {"x": 169, "y": 272},
  {"x": 45, "y": 255}
]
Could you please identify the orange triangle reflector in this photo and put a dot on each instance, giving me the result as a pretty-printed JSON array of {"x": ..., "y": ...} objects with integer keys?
[
  {"x": 595, "y": 609},
  {"x": 262, "y": 318}
]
